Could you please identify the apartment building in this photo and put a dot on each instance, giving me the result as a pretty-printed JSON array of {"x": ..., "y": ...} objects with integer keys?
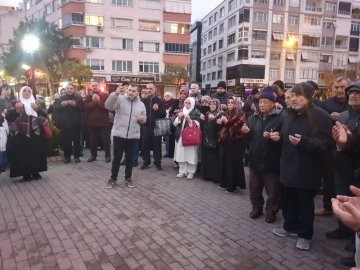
[
  {"x": 255, "y": 42},
  {"x": 121, "y": 40},
  {"x": 195, "y": 52}
]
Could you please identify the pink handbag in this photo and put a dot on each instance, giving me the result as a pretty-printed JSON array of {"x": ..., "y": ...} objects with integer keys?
[
  {"x": 191, "y": 136},
  {"x": 47, "y": 131}
]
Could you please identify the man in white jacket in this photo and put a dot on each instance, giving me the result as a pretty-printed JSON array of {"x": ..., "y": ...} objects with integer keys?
[{"x": 130, "y": 113}]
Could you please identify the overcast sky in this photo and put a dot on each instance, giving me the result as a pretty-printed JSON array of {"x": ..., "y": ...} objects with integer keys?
[{"x": 200, "y": 8}]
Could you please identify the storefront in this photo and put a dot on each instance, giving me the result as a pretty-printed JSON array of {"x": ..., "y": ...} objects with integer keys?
[{"x": 289, "y": 85}]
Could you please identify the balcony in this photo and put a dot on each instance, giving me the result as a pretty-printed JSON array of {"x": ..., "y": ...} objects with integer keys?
[
  {"x": 341, "y": 43},
  {"x": 309, "y": 41},
  {"x": 342, "y": 12},
  {"x": 313, "y": 7}
]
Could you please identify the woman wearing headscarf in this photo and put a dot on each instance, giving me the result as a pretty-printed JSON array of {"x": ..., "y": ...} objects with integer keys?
[
  {"x": 233, "y": 147},
  {"x": 169, "y": 102},
  {"x": 205, "y": 103},
  {"x": 27, "y": 121},
  {"x": 186, "y": 156},
  {"x": 210, "y": 165}
]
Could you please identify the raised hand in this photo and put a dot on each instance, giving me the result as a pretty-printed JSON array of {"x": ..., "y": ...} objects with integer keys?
[
  {"x": 295, "y": 140},
  {"x": 245, "y": 129}
]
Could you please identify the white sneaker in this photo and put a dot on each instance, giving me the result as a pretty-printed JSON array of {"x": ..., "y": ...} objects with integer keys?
[
  {"x": 190, "y": 176},
  {"x": 181, "y": 175}
]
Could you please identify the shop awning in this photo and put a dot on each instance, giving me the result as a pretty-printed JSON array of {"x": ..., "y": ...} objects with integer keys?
[
  {"x": 290, "y": 56},
  {"x": 304, "y": 55}
]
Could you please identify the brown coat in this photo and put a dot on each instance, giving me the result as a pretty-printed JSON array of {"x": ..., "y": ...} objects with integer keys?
[{"x": 96, "y": 114}]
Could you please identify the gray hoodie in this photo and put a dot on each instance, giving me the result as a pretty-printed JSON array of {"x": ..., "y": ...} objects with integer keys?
[{"x": 126, "y": 112}]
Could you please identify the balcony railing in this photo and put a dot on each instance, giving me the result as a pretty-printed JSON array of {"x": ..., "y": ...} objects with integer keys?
[
  {"x": 355, "y": 16},
  {"x": 353, "y": 49},
  {"x": 313, "y": 9},
  {"x": 341, "y": 47},
  {"x": 355, "y": 32},
  {"x": 68, "y": 23},
  {"x": 341, "y": 12}
]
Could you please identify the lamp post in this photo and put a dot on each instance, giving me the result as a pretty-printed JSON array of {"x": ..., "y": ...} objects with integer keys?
[{"x": 31, "y": 44}]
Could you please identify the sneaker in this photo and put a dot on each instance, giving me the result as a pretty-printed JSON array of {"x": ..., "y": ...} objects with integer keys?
[
  {"x": 110, "y": 184},
  {"x": 231, "y": 191},
  {"x": 190, "y": 176},
  {"x": 129, "y": 183},
  {"x": 323, "y": 212},
  {"x": 158, "y": 167},
  {"x": 91, "y": 159},
  {"x": 339, "y": 234},
  {"x": 281, "y": 232},
  {"x": 222, "y": 187},
  {"x": 181, "y": 175},
  {"x": 145, "y": 166},
  {"x": 303, "y": 244}
]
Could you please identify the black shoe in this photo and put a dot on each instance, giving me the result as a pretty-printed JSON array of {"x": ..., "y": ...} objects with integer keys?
[
  {"x": 222, "y": 187},
  {"x": 123, "y": 162},
  {"x": 135, "y": 163},
  {"x": 36, "y": 176},
  {"x": 254, "y": 214},
  {"x": 77, "y": 160},
  {"x": 230, "y": 191},
  {"x": 91, "y": 159},
  {"x": 27, "y": 178},
  {"x": 339, "y": 234},
  {"x": 81, "y": 154},
  {"x": 350, "y": 247},
  {"x": 158, "y": 167},
  {"x": 66, "y": 160},
  {"x": 145, "y": 166},
  {"x": 107, "y": 159},
  {"x": 3, "y": 168},
  {"x": 166, "y": 156},
  {"x": 270, "y": 217},
  {"x": 348, "y": 261}
]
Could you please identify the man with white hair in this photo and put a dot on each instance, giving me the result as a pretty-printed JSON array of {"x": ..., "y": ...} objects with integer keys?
[{"x": 195, "y": 93}]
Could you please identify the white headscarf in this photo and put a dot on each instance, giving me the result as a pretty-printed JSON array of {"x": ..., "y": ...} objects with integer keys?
[
  {"x": 169, "y": 94},
  {"x": 27, "y": 102},
  {"x": 192, "y": 101}
]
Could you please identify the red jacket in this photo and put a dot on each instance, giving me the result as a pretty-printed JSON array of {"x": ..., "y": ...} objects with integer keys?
[{"x": 96, "y": 114}]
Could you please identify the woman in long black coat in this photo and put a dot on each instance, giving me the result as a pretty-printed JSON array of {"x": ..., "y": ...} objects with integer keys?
[
  {"x": 28, "y": 150},
  {"x": 210, "y": 163}
]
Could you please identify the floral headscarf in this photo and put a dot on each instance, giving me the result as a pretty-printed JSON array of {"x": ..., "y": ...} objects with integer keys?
[{"x": 181, "y": 101}]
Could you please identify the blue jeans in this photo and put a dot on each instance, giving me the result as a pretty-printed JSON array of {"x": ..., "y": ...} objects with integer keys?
[
  {"x": 3, "y": 157},
  {"x": 167, "y": 144}
]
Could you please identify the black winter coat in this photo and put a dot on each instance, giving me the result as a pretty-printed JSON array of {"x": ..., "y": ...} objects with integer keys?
[
  {"x": 68, "y": 116},
  {"x": 333, "y": 104},
  {"x": 300, "y": 165},
  {"x": 247, "y": 106},
  {"x": 222, "y": 97},
  {"x": 264, "y": 154},
  {"x": 152, "y": 115}
]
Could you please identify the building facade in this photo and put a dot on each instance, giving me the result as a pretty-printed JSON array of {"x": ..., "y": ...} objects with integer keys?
[
  {"x": 255, "y": 42},
  {"x": 195, "y": 52},
  {"x": 121, "y": 40}
]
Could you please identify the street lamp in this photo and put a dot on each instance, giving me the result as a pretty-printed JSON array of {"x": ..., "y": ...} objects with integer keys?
[{"x": 31, "y": 44}]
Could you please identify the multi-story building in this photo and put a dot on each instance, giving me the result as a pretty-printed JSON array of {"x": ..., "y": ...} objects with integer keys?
[
  {"x": 195, "y": 52},
  {"x": 121, "y": 40},
  {"x": 255, "y": 42}
]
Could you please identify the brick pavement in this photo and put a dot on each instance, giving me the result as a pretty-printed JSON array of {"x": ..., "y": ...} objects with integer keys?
[{"x": 69, "y": 221}]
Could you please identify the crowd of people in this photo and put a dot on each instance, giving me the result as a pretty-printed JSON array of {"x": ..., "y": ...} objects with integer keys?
[{"x": 293, "y": 142}]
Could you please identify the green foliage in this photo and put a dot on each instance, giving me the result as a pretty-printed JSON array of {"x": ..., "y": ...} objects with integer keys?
[
  {"x": 50, "y": 55},
  {"x": 42, "y": 105},
  {"x": 174, "y": 74},
  {"x": 76, "y": 70},
  {"x": 53, "y": 144}
]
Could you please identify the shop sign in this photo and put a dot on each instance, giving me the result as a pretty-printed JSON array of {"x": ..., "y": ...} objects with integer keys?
[
  {"x": 230, "y": 82},
  {"x": 262, "y": 81},
  {"x": 94, "y": 79},
  {"x": 289, "y": 85},
  {"x": 136, "y": 79}
]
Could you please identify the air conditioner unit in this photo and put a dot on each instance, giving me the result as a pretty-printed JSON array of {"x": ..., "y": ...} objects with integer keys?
[
  {"x": 100, "y": 28},
  {"x": 88, "y": 49}
]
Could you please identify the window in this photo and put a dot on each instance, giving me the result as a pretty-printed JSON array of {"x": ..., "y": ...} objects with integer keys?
[
  {"x": 203, "y": 65},
  {"x": 215, "y": 31},
  {"x": 232, "y": 5},
  {"x": 94, "y": 42},
  {"x": 76, "y": 42},
  {"x": 310, "y": 41},
  {"x": 244, "y": 34},
  {"x": 95, "y": 64},
  {"x": 121, "y": 43},
  {"x": 221, "y": 28},
  {"x": 308, "y": 73},
  {"x": 294, "y": 3},
  {"x": 124, "y": 66},
  {"x": 209, "y": 49},
  {"x": 274, "y": 56},
  {"x": 221, "y": 43},
  {"x": 327, "y": 41},
  {"x": 244, "y": 15},
  {"x": 220, "y": 61},
  {"x": 214, "y": 47},
  {"x": 208, "y": 76},
  {"x": 203, "y": 78},
  {"x": 274, "y": 73},
  {"x": 222, "y": 12},
  {"x": 325, "y": 58},
  {"x": 260, "y": 17},
  {"x": 210, "y": 20},
  {"x": 219, "y": 74},
  {"x": 258, "y": 54},
  {"x": 278, "y": 18},
  {"x": 309, "y": 56},
  {"x": 214, "y": 62},
  {"x": 122, "y": 2},
  {"x": 209, "y": 63},
  {"x": 122, "y": 23},
  {"x": 94, "y": 20},
  {"x": 232, "y": 22},
  {"x": 49, "y": 8},
  {"x": 215, "y": 17},
  {"x": 204, "y": 52},
  {"x": 176, "y": 28},
  {"x": 289, "y": 73},
  {"x": 213, "y": 76},
  {"x": 261, "y": 1},
  {"x": 210, "y": 35},
  {"x": 355, "y": 28},
  {"x": 177, "y": 48},
  {"x": 354, "y": 44},
  {"x": 259, "y": 35},
  {"x": 231, "y": 39},
  {"x": 293, "y": 20},
  {"x": 149, "y": 47},
  {"x": 95, "y": 1},
  {"x": 73, "y": 19},
  {"x": 243, "y": 53},
  {"x": 149, "y": 26},
  {"x": 231, "y": 56},
  {"x": 328, "y": 25},
  {"x": 344, "y": 8},
  {"x": 312, "y": 20},
  {"x": 150, "y": 4},
  {"x": 291, "y": 57},
  {"x": 330, "y": 6},
  {"x": 178, "y": 6},
  {"x": 278, "y": 2},
  {"x": 149, "y": 67}
]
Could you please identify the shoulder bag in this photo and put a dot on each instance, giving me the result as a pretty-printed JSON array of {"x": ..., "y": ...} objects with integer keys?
[{"x": 191, "y": 136}]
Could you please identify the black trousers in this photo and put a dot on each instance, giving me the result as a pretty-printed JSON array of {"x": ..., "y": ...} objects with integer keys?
[
  {"x": 298, "y": 211},
  {"x": 71, "y": 136},
  {"x": 149, "y": 140},
  {"x": 122, "y": 145},
  {"x": 97, "y": 133},
  {"x": 329, "y": 180}
]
